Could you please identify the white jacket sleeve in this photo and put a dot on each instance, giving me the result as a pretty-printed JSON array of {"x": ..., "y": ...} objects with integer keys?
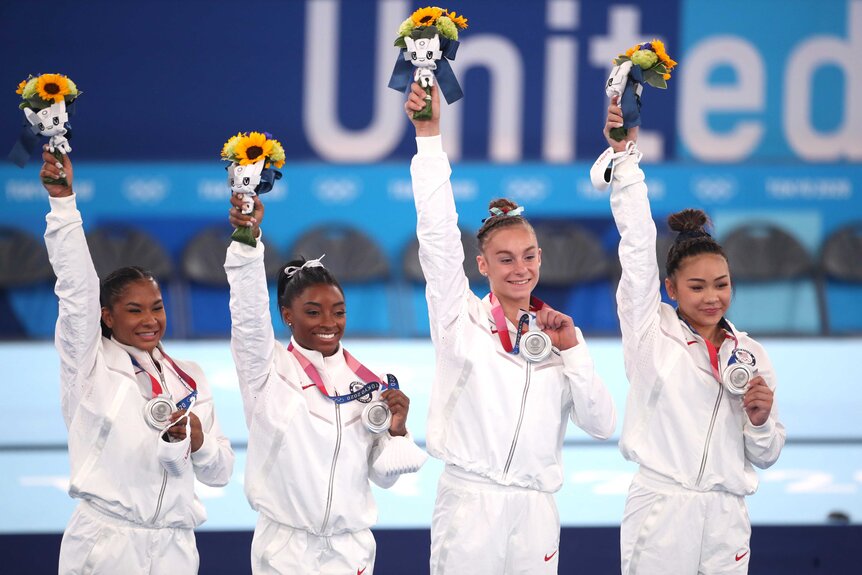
[
  {"x": 638, "y": 295},
  {"x": 441, "y": 253},
  {"x": 252, "y": 340},
  {"x": 78, "y": 330},
  {"x": 763, "y": 444},
  {"x": 213, "y": 461},
  {"x": 593, "y": 407}
]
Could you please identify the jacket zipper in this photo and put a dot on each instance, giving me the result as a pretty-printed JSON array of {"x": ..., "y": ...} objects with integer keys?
[
  {"x": 161, "y": 495},
  {"x": 164, "y": 471},
  {"x": 709, "y": 435},
  {"x": 520, "y": 420},
  {"x": 332, "y": 469}
]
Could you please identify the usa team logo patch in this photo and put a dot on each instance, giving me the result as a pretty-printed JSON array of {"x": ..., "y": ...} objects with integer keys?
[{"x": 357, "y": 386}]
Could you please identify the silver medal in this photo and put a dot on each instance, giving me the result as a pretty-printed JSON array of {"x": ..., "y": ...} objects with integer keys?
[
  {"x": 377, "y": 416},
  {"x": 158, "y": 411},
  {"x": 739, "y": 372},
  {"x": 535, "y": 346}
]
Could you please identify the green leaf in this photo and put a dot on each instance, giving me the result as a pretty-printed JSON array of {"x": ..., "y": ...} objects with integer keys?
[
  {"x": 656, "y": 81},
  {"x": 400, "y": 43},
  {"x": 621, "y": 59},
  {"x": 659, "y": 68}
]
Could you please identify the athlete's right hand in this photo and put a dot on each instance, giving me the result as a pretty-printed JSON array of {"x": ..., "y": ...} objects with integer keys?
[
  {"x": 53, "y": 168},
  {"x": 615, "y": 120},
  {"x": 241, "y": 220},
  {"x": 415, "y": 102}
]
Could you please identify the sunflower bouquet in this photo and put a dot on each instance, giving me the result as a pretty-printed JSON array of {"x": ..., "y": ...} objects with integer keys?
[
  {"x": 646, "y": 62},
  {"x": 45, "y": 98},
  {"x": 428, "y": 40},
  {"x": 253, "y": 158}
]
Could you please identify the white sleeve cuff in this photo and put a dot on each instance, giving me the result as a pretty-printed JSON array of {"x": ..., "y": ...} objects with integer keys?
[
  {"x": 207, "y": 450},
  {"x": 65, "y": 206},
  {"x": 429, "y": 146}
]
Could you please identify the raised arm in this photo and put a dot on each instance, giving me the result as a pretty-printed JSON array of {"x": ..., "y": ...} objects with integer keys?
[
  {"x": 638, "y": 294},
  {"x": 441, "y": 253},
  {"x": 78, "y": 331},
  {"x": 252, "y": 338}
]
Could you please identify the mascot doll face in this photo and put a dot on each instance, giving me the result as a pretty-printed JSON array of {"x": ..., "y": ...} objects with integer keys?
[
  {"x": 423, "y": 52},
  {"x": 50, "y": 121},
  {"x": 244, "y": 179}
]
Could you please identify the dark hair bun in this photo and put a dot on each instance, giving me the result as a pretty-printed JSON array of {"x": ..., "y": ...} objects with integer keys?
[{"x": 688, "y": 220}]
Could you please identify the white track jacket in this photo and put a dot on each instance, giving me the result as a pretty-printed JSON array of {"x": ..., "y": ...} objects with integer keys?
[
  {"x": 112, "y": 449},
  {"x": 680, "y": 422},
  {"x": 492, "y": 413},
  {"x": 309, "y": 459}
]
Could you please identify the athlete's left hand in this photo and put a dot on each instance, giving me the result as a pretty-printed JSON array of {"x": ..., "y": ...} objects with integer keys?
[
  {"x": 399, "y": 404},
  {"x": 559, "y": 327},
  {"x": 757, "y": 401},
  {"x": 179, "y": 431}
]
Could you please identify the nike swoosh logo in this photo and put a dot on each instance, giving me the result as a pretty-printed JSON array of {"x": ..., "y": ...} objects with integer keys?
[
  {"x": 738, "y": 556},
  {"x": 358, "y": 572},
  {"x": 551, "y": 556}
]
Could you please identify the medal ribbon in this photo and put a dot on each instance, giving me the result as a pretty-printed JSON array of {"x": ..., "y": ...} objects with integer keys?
[
  {"x": 713, "y": 352},
  {"x": 157, "y": 388},
  {"x": 500, "y": 321},
  {"x": 365, "y": 374}
]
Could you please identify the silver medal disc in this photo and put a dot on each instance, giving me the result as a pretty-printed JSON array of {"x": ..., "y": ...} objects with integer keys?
[
  {"x": 535, "y": 346},
  {"x": 736, "y": 377},
  {"x": 158, "y": 411},
  {"x": 377, "y": 416}
]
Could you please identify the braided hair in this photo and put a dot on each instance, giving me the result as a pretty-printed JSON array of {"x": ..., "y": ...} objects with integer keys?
[
  {"x": 692, "y": 238},
  {"x": 499, "y": 221}
]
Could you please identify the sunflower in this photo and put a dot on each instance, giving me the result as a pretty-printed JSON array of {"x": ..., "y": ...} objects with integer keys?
[
  {"x": 52, "y": 87},
  {"x": 426, "y": 16},
  {"x": 459, "y": 21},
  {"x": 20, "y": 89},
  {"x": 658, "y": 48},
  {"x": 252, "y": 148}
]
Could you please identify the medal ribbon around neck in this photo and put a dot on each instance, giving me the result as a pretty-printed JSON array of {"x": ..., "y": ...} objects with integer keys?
[
  {"x": 500, "y": 321},
  {"x": 365, "y": 374},
  {"x": 713, "y": 352},
  {"x": 184, "y": 377}
]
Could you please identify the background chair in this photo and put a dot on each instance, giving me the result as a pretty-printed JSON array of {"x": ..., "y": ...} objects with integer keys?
[
  {"x": 773, "y": 282},
  {"x": 576, "y": 275},
  {"x": 28, "y": 307},
  {"x": 206, "y": 290},
  {"x": 361, "y": 267},
  {"x": 840, "y": 280}
]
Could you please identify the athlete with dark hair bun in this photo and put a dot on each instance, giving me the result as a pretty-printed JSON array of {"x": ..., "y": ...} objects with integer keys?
[{"x": 700, "y": 412}]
